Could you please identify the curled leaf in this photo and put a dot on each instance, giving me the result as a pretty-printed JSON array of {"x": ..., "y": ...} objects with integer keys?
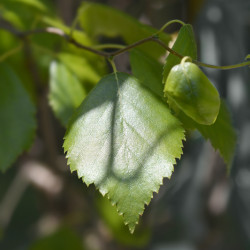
[{"x": 188, "y": 88}]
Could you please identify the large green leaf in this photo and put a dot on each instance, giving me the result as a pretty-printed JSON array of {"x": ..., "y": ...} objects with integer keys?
[
  {"x": 97, "y": 19},
  {"x": 17, "y": 126},
  {"x": 185, "y": 45},
  {"x": 66, "y": 91},
  {"x": 124, "y": 140},
  {"x": 147, "y": 70}
]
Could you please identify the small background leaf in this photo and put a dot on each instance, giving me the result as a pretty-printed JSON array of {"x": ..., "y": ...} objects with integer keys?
[
  {"x": 63, "y": 239},
  {"x": 147, "y": 70},
  {"x": 17, "y": 126},
  {"x": 97, "y": 19},
  {"x": 185, "y": 45},
  {"x": 38, "y": 5},
  {"x": 221, "y": 134},
  {"x": 80, "y": 67},
  {"x": 124, "y": 140},
  {"x": 79, "y": 36},
  {"x": 66, "y": 91},
  {"x": 23, "y": 13}
]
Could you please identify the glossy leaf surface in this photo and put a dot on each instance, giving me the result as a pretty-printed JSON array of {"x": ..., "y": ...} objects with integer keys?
[
  {"x": 66, "y": 92},
  {"x": 17, "y": 126},
  {"x": 189, "y": 89},
  {"x": 124, "y": 140}
]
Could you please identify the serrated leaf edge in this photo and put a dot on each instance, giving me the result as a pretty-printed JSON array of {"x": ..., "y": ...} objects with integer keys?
[{"x": 113, "y": 203}]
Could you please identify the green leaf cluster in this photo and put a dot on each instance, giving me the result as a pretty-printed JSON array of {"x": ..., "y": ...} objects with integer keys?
[{"x": 124, "y": 131}]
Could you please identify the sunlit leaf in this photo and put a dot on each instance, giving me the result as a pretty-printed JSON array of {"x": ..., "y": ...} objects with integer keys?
[
  {"x": 66, "y": 92},
  {"x": 97, "y": 19},
  {"x": 17, "y": 126},
  {"x": 124, "y": 140}
]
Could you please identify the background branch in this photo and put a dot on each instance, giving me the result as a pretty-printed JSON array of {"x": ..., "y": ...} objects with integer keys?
[{"x": 56, "y": 31}]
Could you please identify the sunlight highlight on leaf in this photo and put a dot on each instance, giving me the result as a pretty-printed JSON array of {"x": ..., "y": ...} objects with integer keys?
[{"x": 125, "y": 142}]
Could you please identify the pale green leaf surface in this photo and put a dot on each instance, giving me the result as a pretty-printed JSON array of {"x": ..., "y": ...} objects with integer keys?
[
  {"x": 124, "y": 140},
  {"x": 97, "y": 19},
  {"x": 80, "y": 66},
  {"x": 11, "y": 17},
  {"x": 79, "y": 36},
  {"x": 66, "y": 92},
  {"x": 79, "y": 55},
  {"x": 147, "y": 70},
  {"x": 31, "y": 3},
  {"x": 23, "y": 13},
  {"x": 17, "y": 126},
  {"x": 38, "y": 5},
  {"x": 185, "y": 45}
]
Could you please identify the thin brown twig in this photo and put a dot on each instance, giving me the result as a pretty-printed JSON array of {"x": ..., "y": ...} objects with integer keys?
[
  {"x": 155, "y": 39},
  {"x": 59, "y": 32},
  {"x": 70, "y": 39}
]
